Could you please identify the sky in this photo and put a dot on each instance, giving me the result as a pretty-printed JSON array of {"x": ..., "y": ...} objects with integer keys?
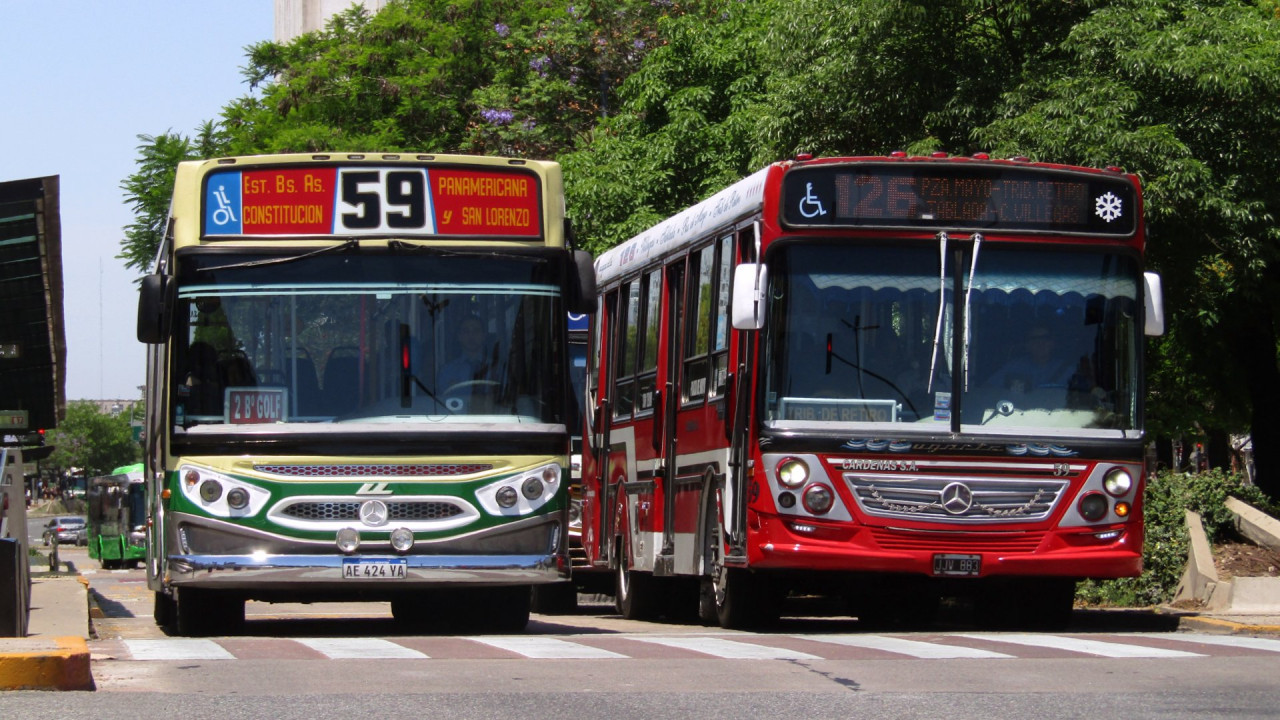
[{"x": 83, "y": 79}]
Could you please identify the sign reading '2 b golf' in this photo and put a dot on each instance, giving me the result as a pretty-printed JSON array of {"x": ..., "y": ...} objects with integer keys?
[{"x": 370, "y": 200}]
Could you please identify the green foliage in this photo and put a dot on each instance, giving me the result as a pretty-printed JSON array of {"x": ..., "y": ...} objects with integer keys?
[
  {"x": 92, "y": 441},
  {"x": 652, "y": 105},
  {"x": 1167, "y": 498},
  {"x": 685, "y": 128},
  {"x": 149, "y": 190}
]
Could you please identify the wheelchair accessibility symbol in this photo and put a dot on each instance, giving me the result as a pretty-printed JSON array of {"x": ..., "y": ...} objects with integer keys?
[
  {"x": 811, "y": 206},
  {"x": 224, "y": 214}
]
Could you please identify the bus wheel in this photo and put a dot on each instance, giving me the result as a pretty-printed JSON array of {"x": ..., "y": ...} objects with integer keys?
[
  {"x": 494, "y": 609},
  {"x": 202, "y": 613},
  {"x": 1043, "y": 604},
  {"x": 165, "y": 613},
  {"x": 555, "y": 599},
  {"x": 633, "y": 592}
]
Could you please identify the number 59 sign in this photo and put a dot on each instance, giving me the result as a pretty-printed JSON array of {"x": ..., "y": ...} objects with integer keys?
[{"x": 394, "y": 201}]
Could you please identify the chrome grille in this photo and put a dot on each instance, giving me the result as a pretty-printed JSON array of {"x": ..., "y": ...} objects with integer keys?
[
  {"x": 344, "y": 510},
  {"x": 956, "y": 498},
  {"x": 387, "y": 470}
]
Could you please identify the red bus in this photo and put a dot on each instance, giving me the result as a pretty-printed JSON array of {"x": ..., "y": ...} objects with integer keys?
[{"x": 888, "y": 380}]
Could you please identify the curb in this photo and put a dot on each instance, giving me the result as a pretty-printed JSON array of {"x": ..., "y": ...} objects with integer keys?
[
  {"x": 61, "y": 663},
  {"x": 1225, "y": 627}
]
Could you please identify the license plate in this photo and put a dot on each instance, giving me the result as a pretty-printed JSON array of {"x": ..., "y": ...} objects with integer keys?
[
  {"x": 374, "y": 569},
  {"x": 967, "y": 565}
]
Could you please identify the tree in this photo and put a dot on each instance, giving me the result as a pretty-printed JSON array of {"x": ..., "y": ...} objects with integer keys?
[
  {"x": 92, "y": 441},
  {"x": 148, "y": 191},
  {"x": 1186, "y": 94},
  {"x": 652, "y": 106},
  {"x": 685, "y": 127}
]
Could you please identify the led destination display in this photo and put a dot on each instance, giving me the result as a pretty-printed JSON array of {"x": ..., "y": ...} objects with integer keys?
[
  {"x": 959, "y": 196},
  {"x": 372, "y": 200}
]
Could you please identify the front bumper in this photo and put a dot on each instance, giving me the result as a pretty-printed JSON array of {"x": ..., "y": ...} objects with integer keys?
[
  {"x": 216, "y": 554},
  {"x": 1070, "y": 553},
  {"x": 323, "y": 573}
]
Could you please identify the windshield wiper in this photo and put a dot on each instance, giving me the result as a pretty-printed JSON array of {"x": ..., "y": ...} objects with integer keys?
[
  {"x": 351, "y": 244},
  {"x": 942, "y": 308},
  {"x": 968, "y": 288}
]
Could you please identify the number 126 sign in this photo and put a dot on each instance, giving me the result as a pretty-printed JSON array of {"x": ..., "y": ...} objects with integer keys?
[{"x": 370, "y": 200}]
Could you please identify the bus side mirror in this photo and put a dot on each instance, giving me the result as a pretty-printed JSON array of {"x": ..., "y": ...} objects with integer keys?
[
  {"x": 749, "y": 283},
  {"x": 1154, "y": 301},
  {"x": 582, "y": 284},
  {"x": 155, "y": 306}
]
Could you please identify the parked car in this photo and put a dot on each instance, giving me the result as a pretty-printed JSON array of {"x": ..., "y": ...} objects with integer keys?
[{"x": 67, "y": 530}]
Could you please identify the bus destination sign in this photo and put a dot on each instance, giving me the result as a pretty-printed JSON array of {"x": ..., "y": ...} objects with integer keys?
[
  {"x": 958, "y": 196},
  {"x": 373, "y": 200}
]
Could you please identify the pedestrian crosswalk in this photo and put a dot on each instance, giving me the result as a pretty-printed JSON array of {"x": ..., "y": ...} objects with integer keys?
[{"x": 710, "y": 645}]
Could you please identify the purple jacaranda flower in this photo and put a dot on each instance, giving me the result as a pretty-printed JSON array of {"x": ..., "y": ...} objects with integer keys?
[
  {"x": 502, "y": 29},
  {"x": 497, "y": 117}
]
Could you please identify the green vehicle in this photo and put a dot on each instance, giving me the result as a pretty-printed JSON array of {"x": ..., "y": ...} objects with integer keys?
[{"x": 118, "y": 517}]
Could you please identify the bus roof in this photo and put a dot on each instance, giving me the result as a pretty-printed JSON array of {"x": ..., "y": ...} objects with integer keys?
[
  {"x": 318, "y": 199},
  {"x": 730, "y": 204}
]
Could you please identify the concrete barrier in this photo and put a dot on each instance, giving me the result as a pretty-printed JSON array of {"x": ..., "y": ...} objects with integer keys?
[
  {"x": 1200, "y": 578},
  {"x": 1234, "y": 596},
  {"x": 1254, "y": 524}
]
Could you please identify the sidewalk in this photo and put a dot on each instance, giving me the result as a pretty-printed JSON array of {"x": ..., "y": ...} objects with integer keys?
[{"x": 55, "y": 653}]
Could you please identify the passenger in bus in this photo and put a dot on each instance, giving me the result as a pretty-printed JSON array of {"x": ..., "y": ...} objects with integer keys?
[
  {"x": 203, "y": 380},
  {"x": 471, "y": 375},
  {"x": 1041, "y": 366}
]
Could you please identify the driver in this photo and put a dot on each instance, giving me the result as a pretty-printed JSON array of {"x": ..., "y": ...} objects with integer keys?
[{"x": 471, "y": 364}]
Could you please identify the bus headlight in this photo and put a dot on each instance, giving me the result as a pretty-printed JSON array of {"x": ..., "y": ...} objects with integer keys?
[
  {"x": 348, "y": 540},
  {"x": 219, "y": 494},
  {"x": 792, "y": 472},
  {"x": 523, "y": 493},
  {"x": 506, "y": 496},
  {"x": 1093, "y": 506},
  {"x": 210, "y": 491},
  {"x": 1117, "y": 482},
  {"x": 818, "y": 499},
  {"x": 238, "y": 499},
  {"x": 402, "y": 539},
  {"x": 532, "y": 488}
]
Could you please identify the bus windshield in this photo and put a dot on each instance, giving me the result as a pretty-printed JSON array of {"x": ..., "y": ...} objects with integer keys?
[
  {"x": 862, "y": 335},
  {"x": 367, "y": 337}
]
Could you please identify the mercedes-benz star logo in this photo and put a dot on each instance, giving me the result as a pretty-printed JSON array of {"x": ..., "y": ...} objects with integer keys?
[
  {"x": 374, "y": 513},
  {"x": 956, "y": 498}
]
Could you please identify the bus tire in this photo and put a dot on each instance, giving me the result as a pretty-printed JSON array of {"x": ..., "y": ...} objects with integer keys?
[
  {"x": 165, "y": 612},
  {"x": 555, "y": 599},
  {"x": 202, "y": 613},
  {"x": 633, "y": 593}
]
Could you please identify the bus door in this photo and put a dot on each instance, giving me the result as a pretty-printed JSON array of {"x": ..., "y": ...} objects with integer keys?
[
  {"x": 665, "y": 436},
  {"x": 598, "y": 497}
]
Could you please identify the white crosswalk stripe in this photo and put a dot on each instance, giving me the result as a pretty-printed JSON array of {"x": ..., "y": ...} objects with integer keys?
[
  {"x": 361, "y": 649},
  {"x": 534, "y": 646},
  {"x": 993, "y": 646},
  {"x": 728, "y": 649},
  {"x": 1090, "y": 647},
  {"x": 177, "y": 649},
  {"x": 901, "y": 646},
  {"x": 1235, "y": 641}
]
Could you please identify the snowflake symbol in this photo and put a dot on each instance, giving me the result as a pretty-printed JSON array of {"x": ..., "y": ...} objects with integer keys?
[{"x": 1107, "y": 207}]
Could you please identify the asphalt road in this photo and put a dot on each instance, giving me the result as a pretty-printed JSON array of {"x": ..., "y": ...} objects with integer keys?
[{"x": 348, "y": 660}]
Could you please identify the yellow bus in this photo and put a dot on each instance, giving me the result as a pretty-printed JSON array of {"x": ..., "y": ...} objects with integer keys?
[{"x": 358, "y": 387}]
